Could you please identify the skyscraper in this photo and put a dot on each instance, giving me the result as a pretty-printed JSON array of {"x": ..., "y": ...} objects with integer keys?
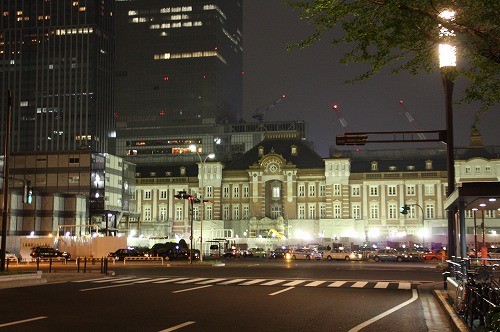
[
  {"x": 56, "y": 58},
  {"x": 179, "y": 62}
]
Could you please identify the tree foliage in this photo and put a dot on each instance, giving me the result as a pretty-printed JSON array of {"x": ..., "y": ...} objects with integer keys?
[{"x": 403, "y": 35}]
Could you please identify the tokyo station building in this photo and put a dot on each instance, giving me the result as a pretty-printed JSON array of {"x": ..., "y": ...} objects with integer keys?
[{"x": 282, "y": 192}]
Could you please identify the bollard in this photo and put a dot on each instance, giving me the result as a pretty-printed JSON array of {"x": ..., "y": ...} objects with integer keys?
[
  {"x": 38, "y": 263},
  {"x": 102, "y": 265},
  {"x": 445, "y": 279},
  {"x": 78, "y": 265},
  {"x": 7, "y": 265},
  {"x": 85, "y": 265},
  {"x": 50, "y": 264}
]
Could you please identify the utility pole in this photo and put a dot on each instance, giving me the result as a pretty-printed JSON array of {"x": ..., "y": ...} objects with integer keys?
[{"x": 6, "y": 155}]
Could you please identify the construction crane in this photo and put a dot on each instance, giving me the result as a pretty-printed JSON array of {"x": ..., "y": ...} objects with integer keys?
[
  {"x": 343, "y": 122},
  {"x": 261, "y": 111},
  {"x": 412, "y": 120}
]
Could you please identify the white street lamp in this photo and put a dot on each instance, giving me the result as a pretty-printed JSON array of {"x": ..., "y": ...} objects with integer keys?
[
  {"x": 447, "y": 62},
  {"x": 201, "y": 172}
]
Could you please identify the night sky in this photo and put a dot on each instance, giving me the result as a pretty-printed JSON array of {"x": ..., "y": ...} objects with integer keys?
[{"x": 313, "y": 80}]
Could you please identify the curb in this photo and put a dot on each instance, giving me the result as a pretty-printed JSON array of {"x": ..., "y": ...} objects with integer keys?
[
  {"x": 456, "y": 322},
  {"x": 19, "y": 280}
]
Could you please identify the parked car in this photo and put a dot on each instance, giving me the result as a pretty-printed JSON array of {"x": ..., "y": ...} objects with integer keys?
[
  {"x": 179, "y": 254},
  {"x": 120, "y": 254},
  {"x": 48, "y": 252},
  {"x": 411, "y": 254},
  {"x": 302, "y": 253},
  {"x": 232, "y": 253},
  {"x": 279, "y": 253},
  {"x": 338, "y": 254},
  {"x": 436, "y": 254},
  {"x": 256, "y": 252},
  {"x": 10, "y": 256},
  {"x": 389, "y": 255},
  {"x": 155, "y": 249},
  {"x": 494, "y": 253}
]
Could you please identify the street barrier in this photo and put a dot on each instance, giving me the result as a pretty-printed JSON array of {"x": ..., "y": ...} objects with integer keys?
[{"x": 140, "y": 258}]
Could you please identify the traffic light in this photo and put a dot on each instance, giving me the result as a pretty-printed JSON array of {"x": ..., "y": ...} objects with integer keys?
[
  {"x": 28, "y": 193},
  {"x": 404, "y": 209},
  {"x": 183, "y": 195}
]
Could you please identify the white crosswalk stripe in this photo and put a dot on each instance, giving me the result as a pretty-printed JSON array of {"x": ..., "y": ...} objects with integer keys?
[
  {"x": 229, "y": 282},
  {"x": 381, "y": 284},
  {"x": 402, "y": 285},
  {"x": 294, "y": 283},
  {"x": 210, "y": 281},
  {"x": 189, "y": 281},
  {"x": 169, "y": 280},
  {"x": 315, "y": 283},
  {"x": 337, "y": 284},
  {"x": 273, "y": 282},
  {"x": 252, "y": 282}
]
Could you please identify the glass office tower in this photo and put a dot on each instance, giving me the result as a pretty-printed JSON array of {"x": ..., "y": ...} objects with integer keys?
[
  {"x": 179, "y": 62},
  {"x": 56, "y": 58}
]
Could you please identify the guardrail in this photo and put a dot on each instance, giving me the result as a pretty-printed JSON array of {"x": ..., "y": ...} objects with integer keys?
[{"x": 103, "y": 262}]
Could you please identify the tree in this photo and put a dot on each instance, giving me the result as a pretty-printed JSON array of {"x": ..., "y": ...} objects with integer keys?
[{"x": 403, "y": 35}]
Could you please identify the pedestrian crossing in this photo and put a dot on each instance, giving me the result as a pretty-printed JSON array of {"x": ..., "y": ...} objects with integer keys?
[{"x": 401, "y": 285}]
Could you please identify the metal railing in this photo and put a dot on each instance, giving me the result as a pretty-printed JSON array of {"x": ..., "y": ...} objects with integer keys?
[{"x": 477, "y": 298}]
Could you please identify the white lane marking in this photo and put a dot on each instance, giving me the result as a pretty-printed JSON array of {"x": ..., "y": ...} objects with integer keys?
[
  {"x": 314, "y": 283},
  {"x": 337, "y": 284},
  {"x": 404, "y": 285},
  {"x": 234, "y": 281},
  {"x": 382, "y": 315},
  {"x": 176, "y": 327},
  {"x": 359, "y": 284},
  {"x": 146, "y": 280},
  {"x": 96, "y": 279},
  {"x": 190, "y": 281},
  {"x": 112, "y": 280},
  {"x": 272, "y": 282},
  {"x": 168, "y": 280},
  {"x": 191, "y": 289},
  {"x": 210, "y": 281},
  {"x": 381, "y": 284},
  {"x": 127, "y": 280},
  {"x": 281, "y": 291},
  {"x": 104, "y": 287},
  {"x": 252, "y": 282},
  {"x": 295, "y": 283},
  {"x": 22, "y": 321},
  {"x": 154, "y": 280}
]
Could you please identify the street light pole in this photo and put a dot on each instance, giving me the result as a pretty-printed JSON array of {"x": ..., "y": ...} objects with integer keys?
[
  {"x": 447, "y": 63},
  {"x": 201, "y": 168}
]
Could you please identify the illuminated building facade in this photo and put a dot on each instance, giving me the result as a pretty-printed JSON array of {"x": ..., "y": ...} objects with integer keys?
[
  {"x": 178, "y": 63},
  {"x": 281, "y": 186},
  {"x": 56, "y": 58}
]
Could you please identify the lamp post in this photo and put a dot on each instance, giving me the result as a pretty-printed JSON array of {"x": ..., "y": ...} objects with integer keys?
[
  {"x": 447, "y": 63},
  {"x": 201, "y": 172}
]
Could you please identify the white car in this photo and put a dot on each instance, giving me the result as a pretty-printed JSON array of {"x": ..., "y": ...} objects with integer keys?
[
  {"x": 10, "y": 257},
  {"x": 304, "y": 254},
  {"x": 337, "y": 254}
]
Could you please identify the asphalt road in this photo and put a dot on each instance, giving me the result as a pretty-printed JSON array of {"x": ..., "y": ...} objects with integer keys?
[{"x": 243, "y": 295}]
